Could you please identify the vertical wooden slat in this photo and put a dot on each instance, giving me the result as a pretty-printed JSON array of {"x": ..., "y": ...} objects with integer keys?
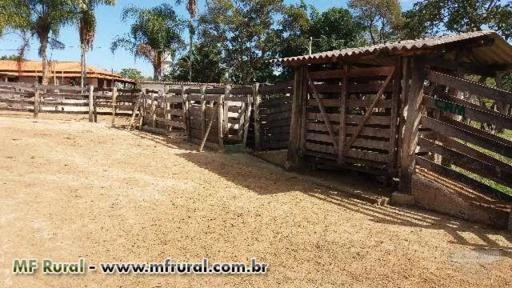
[
  {"x": 343, "y": 113},
  {"x": 91, "y": 103},
  {"x": 114, "y": 105},
  {"x": 94, "y": 107},
  {"x": 412, "y": 121}
]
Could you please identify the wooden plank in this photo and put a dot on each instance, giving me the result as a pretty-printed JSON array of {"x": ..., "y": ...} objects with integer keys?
[
  {"x": 354, "y": 73},
  {"x": 468, "y": 134},
  {"x": 322, "y": 110},
  {"x": 367, "y": 155},
  {"x": 294, "y": 147},
  {"x": 468, "y": 163},
  {"x": 465, "y": 149},
  {"x": 374, "y": 120},
  {"x": 362, "y": 143},
  {"x": 459, "y": 177},
  {"x": 352, "y": 103},
  {"x": 471, "y": 87},
  {"x": 395, "y": 102},
  {"x": 368, "y": 113},
  {"x": 469, "y": 110},
  {"x": 366, "y": 132}
]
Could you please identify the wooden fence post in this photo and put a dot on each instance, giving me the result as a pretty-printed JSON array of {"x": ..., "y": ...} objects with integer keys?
[
  {"x": 95, "y": 106},
  {"x": 256, "y": 100},
  {"x": 186, "y": 114},
  {"x": 293, "y": 158},
  {"x": 414, "y": 109},
  {"x": 203, "y": 111},
  {"x": 248, "y": 111},
  {"x": 114, "y": 105},
  {"x": 91, "y": 103},
  {"x": 221, "y": 117},
  {"x": 342, "y": 133},
  {"x": 36, "y": 100}
]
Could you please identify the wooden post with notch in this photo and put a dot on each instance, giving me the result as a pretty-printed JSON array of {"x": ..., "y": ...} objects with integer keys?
[
  {"x": 412, "y": 122},
  {"x": 114, "y": 105},
  {"x": 91, "y": 103}
]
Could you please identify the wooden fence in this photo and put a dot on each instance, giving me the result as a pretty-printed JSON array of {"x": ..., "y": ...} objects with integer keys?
[
  {"x": 256, "y": 116},
  {"x": 447, "y": 141},
  {"x": 67, "y": 99}
]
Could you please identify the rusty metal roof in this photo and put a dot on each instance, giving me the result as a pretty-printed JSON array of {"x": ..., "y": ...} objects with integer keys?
[{"x": 492, "y": 50}]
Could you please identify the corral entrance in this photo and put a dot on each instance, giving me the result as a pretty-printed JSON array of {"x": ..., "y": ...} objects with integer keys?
[{"x": 351, "y": 117}]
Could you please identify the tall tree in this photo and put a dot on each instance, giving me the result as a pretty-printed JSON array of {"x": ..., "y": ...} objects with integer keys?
[
  {"x": 436, "y": 16},
  {"x": 381, "y": 18},
  {"x": 243, "y": 29},
  {"x": 154, "y": 35},
  {"x": 336, "y": 28},
  {"x": 87, "y": 30},
  {"x": 192, "y": 11},
  {"x": 42, "y": 19}
]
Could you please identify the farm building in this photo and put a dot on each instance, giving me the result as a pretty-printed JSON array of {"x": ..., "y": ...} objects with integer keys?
[
  {"x": 391, "y": 108},
  {"x": 60, "y": 73}
]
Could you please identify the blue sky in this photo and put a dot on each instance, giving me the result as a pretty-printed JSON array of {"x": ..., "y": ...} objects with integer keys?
[{"x": 109, "y": 25}]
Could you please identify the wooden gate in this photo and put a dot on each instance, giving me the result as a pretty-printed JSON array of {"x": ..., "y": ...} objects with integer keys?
[{"x": 351, "y": 118}]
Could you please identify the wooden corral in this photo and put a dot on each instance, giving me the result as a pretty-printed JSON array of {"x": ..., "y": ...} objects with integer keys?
[
  {"x": 393, "y": 108},
  {"x": 256, "y": 116}
]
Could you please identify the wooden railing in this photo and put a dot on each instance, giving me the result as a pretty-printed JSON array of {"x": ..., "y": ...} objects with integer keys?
[{"x": 450, "y": 145}]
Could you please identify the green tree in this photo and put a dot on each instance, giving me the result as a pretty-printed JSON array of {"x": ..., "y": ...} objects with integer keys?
[
  {"x": 131, "y": 73},
  {"x": 154, "y": 35},
  {"x": 244, "y": 31},
  {"x": 336, "y": 28},
  {"x": 381, "y": 18},
  {"x": 87, "y": 30},
  {"x": 207, "y": 59},
  {"x": 12, "y": 57},
  {"x": 436, "y": 16},
  {"x": 42, "y": 19}
]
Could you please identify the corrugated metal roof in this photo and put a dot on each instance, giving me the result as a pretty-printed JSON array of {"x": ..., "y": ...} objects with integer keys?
[{"x": 494, "y": 51}]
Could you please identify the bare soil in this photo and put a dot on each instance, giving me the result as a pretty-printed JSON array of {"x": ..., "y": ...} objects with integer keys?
[{"x": 71, "y": 189}]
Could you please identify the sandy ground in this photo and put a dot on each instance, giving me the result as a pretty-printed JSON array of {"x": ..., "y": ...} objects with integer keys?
[{"x": 71, "y": 189}]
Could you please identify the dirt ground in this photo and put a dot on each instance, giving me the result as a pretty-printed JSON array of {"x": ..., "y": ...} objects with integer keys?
[{"x": 71, "y": 189}]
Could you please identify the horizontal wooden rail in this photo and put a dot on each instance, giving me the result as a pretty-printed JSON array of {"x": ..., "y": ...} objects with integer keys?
[
  {"x": 471, "y": 87},
  {"x": 503, "y": 146}
]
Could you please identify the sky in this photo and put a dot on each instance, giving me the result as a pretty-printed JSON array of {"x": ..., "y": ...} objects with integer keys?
[{"x": 109, "y": 25}]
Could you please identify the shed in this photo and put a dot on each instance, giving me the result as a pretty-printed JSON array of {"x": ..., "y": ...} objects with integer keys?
[{"x": 363, "y": 108}]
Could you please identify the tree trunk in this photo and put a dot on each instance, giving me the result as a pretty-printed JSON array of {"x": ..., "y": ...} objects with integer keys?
[
  {"x": 191, "y": 45},
  {"x": 44, "y": 58},
  {"x": 83, "y": 67}
]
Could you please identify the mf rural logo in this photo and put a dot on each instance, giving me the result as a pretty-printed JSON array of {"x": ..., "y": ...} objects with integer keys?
[{"x": 48, "y": 267}]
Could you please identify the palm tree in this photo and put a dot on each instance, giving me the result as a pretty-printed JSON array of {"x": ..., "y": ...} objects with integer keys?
[
  {"x": 42, "y": 19},
  {"x": 87, "y": 30},
  {"x": 154, "y": 35},
  {"x": 192, "y": 11}
]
